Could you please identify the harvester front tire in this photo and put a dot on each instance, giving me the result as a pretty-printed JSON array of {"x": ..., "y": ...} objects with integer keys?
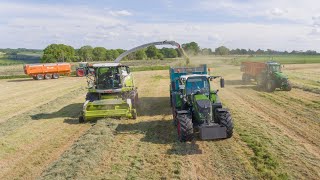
[
  {"x": 134, "y": 114},
  {"x": 225, "y": 120},
  {"x": 270, "y": 86},
  {"x": 81, "y": 119},
  {"x": 55, "y": 76},
  {"x": 92, "y": 97},
  {"x": 184, "y": 127}
]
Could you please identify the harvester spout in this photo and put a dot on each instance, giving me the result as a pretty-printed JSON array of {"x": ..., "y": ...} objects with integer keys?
[{"x": 172, "y": 43}]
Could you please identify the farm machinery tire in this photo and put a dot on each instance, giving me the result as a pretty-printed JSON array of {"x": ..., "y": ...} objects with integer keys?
[
  {"x": 270, "y": 86},
  {"x": 184, "y": 127},
  {"x": 289, "y": 87},
  {"x": 55, "y": 76},
  {"x": 81, "y": 119},
  {"x": 47, "y": 76},
  {"x": 225, "y": 119},
  {"x": 92, "y": 97}
]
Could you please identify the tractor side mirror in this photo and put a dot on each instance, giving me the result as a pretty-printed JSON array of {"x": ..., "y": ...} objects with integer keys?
[{"x": 222, "y": 83}]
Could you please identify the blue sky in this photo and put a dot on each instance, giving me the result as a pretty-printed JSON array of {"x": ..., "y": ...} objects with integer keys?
[{"x": 280, "y": 25}]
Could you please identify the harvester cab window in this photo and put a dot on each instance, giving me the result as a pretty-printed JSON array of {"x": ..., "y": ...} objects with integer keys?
[
  {"x": 199, "y": 84},
  {"x": 108, "y": 78}
]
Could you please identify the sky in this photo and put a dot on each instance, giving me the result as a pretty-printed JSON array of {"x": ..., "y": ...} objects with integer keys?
[{"x": 249, "y": 24}]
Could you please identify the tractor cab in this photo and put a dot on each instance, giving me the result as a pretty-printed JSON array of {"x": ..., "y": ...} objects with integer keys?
[{"x": 273, "y": 67}]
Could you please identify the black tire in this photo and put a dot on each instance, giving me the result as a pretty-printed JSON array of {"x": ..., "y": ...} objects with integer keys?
[
  {"x": 289, "y": 87},
  {"x": 47, "y": 76},
  {"x": 34, "y": 77},
  {"x": 55, "y": 76},
  {"x": 174, "y": 116},
  {"x": 134, "y": 114},
  {"x": 184, "y": 127},
  {"x": 245, "y": 78},
  {"x": 270, "y": 86},
  {"x": 92, "y": 97},
  {"x": 81, "y": 119},
  {"x": 225, "y": 119},
  {"x": 39, "y": 77}
]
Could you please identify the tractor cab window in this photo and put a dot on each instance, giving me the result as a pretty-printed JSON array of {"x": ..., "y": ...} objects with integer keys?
[
  {"x": 197, "y": 85},
  {"x": 275, "y": 68},
  {"x": 108, "y": 77}
]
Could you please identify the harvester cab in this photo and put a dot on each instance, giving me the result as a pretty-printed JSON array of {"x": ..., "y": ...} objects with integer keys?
[
  {"x": 195, "y": 105},
  {"x": 111, "y": 92}
]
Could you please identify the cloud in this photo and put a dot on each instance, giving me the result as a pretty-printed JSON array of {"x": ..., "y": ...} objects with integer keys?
[
  {"x": 277, "y": 12},
  {"x": 120, "y": 13}
]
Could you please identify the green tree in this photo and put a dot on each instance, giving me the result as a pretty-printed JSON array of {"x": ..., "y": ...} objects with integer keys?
[
  {"x": 111, "y": 54},
  {"x": 99, "y": 53},
  {"x": 58, "y": 53},
  {"x": 152, "y": 52},
  {"x": 222, "y": 50},
  {"x": 85, "y": 53},
  {"x": 169, "y": 52},
  {"x": 140, "y": 54},
  {"x": 191, "y": 48}
]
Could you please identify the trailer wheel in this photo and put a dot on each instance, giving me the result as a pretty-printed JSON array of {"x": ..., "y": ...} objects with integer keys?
[
  {"x": 225, "y": 119},
  {"x": 39, "y": 76},
  {"x": 48, "y": 76},
  {"x": 184, "y": 127},
  {"x": 270, "y": 86},
  {"x": 55, "y": 76},
  {"x": 245, "y": 78}
]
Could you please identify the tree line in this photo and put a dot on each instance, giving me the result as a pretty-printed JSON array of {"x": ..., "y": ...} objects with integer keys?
[{"x": 65, "y": 53}]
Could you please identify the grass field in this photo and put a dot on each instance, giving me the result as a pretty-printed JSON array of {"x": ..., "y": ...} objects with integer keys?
[
  {"x": 276, "y": 134},
  {"x": 283, "y": 59}
]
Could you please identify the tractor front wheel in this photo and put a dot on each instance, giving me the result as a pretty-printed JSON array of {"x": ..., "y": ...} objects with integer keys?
[
  {"x": 288, "y": 88},
  {"x": 184, "y": 127},
  {"x": 225, "y": 120}
]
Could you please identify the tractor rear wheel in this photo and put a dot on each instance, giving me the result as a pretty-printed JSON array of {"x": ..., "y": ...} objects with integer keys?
[
  {"x": 225, "y": 119},
  {"x": 270, "y": 86},
  {"x": 184, "y": 127}
]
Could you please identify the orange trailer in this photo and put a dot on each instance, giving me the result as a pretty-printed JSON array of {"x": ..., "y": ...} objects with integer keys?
[{"x": 47, "y": 70}]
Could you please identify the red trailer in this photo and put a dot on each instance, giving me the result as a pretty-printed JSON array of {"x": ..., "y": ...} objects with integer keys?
[
  {"x": 252, "y": 69},
  {"x": 47, "y": 71}
]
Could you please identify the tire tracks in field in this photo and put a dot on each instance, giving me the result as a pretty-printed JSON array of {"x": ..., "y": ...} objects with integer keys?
[{"x": 272, "y": 118}]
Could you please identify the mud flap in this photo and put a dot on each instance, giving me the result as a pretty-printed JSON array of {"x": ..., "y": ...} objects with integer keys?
[{"x": 213, "y": 131}]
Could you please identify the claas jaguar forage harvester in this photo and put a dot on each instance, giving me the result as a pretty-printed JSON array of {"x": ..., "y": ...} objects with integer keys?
[{"x": 196, "y": 106}]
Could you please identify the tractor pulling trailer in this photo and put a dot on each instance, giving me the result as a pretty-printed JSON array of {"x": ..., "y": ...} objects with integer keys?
[
  {"x": 47, "y": 70},
  {"x": 267, "y": 75},
  {"x": 196, "y": 106}
]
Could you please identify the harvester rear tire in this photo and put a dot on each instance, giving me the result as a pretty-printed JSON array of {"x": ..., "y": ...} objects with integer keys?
[
  {"x": 55, "y": 76},
  {"x": 81, "y": 119},
  {"x": 184, "y": 127},
  {"x": 270, "y": 86},
  {"x": 225, "y": 119}
]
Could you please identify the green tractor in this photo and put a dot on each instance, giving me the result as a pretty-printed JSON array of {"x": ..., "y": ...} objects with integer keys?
[
  {"x": 196, "y": 106},
  {"x": 111, "y": 92},
  {"x": 268, "y": 75}
]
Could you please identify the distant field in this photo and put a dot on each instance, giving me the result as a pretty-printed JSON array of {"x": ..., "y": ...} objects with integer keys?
[{"x": 283, "y": 59}]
